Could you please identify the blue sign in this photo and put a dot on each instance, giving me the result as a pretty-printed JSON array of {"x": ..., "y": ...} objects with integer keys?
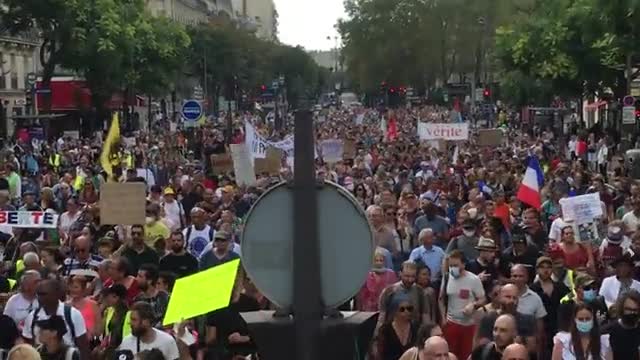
[{"x": 191, "y": 110}]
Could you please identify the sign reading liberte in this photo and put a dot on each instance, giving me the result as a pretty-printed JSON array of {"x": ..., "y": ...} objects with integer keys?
[
  {"x": 29, "y": 219},
  {"x": 443, "y": 131}
]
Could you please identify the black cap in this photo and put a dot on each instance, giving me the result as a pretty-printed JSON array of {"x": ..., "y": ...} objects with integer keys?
[{"x": 518, "y": 238}]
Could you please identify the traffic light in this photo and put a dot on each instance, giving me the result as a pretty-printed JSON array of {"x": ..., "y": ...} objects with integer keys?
[
  {"x": 637, "y": 115},
  {"x": 486, "y": 93},
  {"x": 263, "y": 88},
  {"x": 28, "y": 96}
]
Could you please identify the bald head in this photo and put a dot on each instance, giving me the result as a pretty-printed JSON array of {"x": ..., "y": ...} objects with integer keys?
[
  {"x": 435, "y": 348},
  {"x": 504, "y": 330},
  {"x": 515, "y": 352}
]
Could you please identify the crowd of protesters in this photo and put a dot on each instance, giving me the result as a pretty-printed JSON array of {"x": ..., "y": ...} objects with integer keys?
[{"x": 462, "y": 268}]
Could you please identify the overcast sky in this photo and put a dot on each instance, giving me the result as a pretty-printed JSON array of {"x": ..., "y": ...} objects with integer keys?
[{"x": 308, "y": 22}]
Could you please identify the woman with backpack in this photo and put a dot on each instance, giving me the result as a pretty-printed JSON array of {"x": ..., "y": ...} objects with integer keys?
[{"x": 53, "y": 346}]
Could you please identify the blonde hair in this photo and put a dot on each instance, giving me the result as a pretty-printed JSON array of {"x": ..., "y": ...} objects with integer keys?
[{"x": 23, "y": 352}]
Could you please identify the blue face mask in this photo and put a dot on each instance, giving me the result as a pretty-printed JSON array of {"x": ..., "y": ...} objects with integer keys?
[
  {"x": 454, "y": 271},
  {"x": 584, "y": 326},
  {"x": 589, "y": 295}
]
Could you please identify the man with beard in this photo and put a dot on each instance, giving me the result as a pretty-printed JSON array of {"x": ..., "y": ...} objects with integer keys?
[
  {"x": 159, "y": 300},
  {"x": 550, "y": 293},
  {"x": 504, "y": 334},
  {"x": 178, "y": 260},
  {"x": 526, "y": 324},
  {"x": 407, "y": 285},
  {"x": 145, "y": 337},
  {"x": 625, "y": 332}
]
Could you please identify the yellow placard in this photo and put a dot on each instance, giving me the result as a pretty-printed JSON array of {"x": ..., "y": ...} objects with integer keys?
[{"x": 200, "y": 293}]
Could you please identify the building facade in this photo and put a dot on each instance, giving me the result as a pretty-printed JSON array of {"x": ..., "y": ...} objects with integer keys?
[
  {"x": 19, "y": 57},
  {"x": 259, "y": 16},
  {"x": 187, "y": 12}
]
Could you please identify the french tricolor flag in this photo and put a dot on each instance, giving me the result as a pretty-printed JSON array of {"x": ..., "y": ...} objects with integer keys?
[{"x": 529, "y": 191}]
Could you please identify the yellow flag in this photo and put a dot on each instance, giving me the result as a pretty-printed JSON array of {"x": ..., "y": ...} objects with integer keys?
[
  {"x": 113, "y": 138},
  {"x": 202, "y": 292}
]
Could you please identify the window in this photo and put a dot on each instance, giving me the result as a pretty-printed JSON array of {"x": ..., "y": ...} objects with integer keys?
[{"x": 14, "y": 72}]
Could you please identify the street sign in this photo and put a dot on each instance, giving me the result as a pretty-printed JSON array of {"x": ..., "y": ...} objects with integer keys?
[
  {"x": 267, "y": 244},
  {"x": 629, "y": 115},
  {"x": 191, "y": 110},
  {"x": 629, "y": 100}
]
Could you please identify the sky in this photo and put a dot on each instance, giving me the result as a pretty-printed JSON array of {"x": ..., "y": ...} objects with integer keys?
[{"x": 308, "y": 22}]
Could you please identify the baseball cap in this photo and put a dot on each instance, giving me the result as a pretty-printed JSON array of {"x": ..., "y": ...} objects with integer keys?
[
  {"x": 544, "y": 260},
  {"x": 221, "y": 235},
  {"x": 583, "y": 280},
  {"x": 169, "y": 191}
]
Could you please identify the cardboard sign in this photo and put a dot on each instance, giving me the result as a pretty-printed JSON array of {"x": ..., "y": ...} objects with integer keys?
[
  {"x": 29, "y": 219},
  {"x": 350, "y": 150},
  {"x": 490, "y": 137},
  {"x": 332, "y": 150},
  {"x": 242, "y": 165},
  {"x": 122, "y": 203},
  {"x": 221, "y": 163},
  {"x": 581, "y": 209},
  {"x": 271, "y": 164}
]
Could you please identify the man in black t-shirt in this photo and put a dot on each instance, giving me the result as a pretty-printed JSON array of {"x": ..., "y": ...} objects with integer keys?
[
  {"x": 526, "y": 324},
  {"x": 178, "y": 261},
  {"x": 504, "y": 333},
  {"x": 9, "y": 334},
  {"x": 624, "y": 333},
  {"x": 484, "y": 265}
]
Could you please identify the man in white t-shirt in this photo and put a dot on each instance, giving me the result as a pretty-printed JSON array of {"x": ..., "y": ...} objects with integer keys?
[
  {"x": 631, "y": 219},
  {"x": 49, "y": 292},
  {"x": 145, "y": 337},
  {"x": 463, "y": 294},
  {"x": 555, "y": 230},
  {"x": 21, "y": 304},
  {"x": 173, "y": 210},
  {"x": 198, "y": 235}
]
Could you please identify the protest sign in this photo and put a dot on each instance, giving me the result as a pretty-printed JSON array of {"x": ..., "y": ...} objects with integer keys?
[
  {"x": 332, "y": 150},
  {"x": 271, "y": 164},
  {"x": 221, "y": 163},
  {"x": 29, "y": 219},
  {"x": 444, "y": 131},
  {"x": 212, "y": 286},
  {"x": 350, "y": 150},
  {"x": 490, "y": 137},
  {"x": 122, "y": 203},
  {"x": 242, "y": 165},
  {"x": 581, "y": 209}
]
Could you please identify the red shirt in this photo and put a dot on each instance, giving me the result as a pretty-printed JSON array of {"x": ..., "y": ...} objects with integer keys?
[{"x": 581, "y": 147}]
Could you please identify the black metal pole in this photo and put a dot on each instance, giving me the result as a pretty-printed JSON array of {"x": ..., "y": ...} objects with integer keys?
[{"x": 307, "y": 305}]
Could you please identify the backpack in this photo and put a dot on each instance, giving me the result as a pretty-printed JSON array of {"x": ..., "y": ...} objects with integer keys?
[
  {"x": 71, "y": 353},
  {"x": 67, "y": 319}
]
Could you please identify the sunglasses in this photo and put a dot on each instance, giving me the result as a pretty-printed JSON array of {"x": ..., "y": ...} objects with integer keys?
[
  {"x": 220, "y": 240},
  {"x": 139, "y": 233},
  {"x": 405, "y": 308},
  {"x": 588, "y": 287},
  {"x": 391, "y": 214}
]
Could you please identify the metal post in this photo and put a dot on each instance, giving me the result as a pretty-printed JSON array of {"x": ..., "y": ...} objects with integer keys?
[{"x": 307, "y": 306}]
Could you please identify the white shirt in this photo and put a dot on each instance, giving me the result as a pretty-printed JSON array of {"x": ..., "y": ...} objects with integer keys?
[
  {"x": 173, "y": 212},
  {"x": 610, "y": 289},
  {"x": 631, "y": 222},
  {"x": 198, "y": 239},
  {"x": 568, "y": 353},
  {"x": 147, "y": 175},
  {"x": 162, "y": 341},
  {"x": 76, "y": 317},
  {"x": 66, "y": 220},
  {"x": 555, "y": 230},
  {"x": 18, "y": 308}
]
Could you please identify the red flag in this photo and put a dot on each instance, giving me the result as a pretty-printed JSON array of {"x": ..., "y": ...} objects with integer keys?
[{"x": 392, "y": 129}]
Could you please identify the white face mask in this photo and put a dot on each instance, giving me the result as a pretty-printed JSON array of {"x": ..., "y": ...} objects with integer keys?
[
  {"x": 150, "y": 220},
  {"x": 469, "y": 233}
]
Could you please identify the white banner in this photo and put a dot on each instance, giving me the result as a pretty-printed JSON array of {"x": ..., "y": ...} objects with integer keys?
[
  {"x": 242, "y": 165},
  {"x": 29, "y": 219},
  {"x": 435, "y": 131},
  {"x": 581, "y": 209},
  {"x": 257, "y": 145}
]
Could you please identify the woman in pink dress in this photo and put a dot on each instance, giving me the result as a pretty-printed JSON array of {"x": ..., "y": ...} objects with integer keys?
[{"x": 379, "y": 278}]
